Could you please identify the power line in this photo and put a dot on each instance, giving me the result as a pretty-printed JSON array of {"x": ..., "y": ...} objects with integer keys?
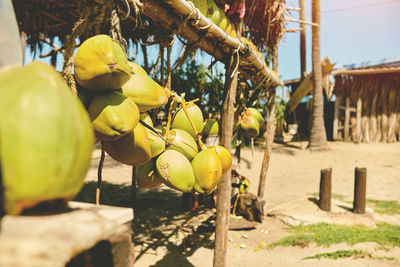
[{"x": 358, "y": 7}]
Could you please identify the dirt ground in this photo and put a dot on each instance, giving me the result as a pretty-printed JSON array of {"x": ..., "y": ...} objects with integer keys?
[{"x": 160, "y": 221}]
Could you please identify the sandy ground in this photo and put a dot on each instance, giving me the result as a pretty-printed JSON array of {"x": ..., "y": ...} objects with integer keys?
[{"x": 294, "y": 173}]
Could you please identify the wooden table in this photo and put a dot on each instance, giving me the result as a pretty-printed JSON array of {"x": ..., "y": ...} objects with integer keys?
[{"x": 83, "y": 233}]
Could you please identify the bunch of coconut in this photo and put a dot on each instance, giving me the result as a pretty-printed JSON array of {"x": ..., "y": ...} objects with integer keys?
[
  {"x": 46, "y": 140},
  {"x": 115, "y": 92},
  {"x": 249, "y": 122},
  {"x": 186, "y": 164}
]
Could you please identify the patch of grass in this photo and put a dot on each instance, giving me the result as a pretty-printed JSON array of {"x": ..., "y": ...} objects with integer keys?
[
  {"x": 390, "y": 207},
  {"x": 338, "y": 254},
  {"x": 324, "y": 234}
]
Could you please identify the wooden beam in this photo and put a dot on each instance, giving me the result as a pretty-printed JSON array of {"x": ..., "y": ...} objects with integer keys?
[
  {"x": 367, "y": 71},
  {"x": 305, "y": 88}
]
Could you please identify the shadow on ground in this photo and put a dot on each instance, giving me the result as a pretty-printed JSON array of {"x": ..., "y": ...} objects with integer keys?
[{"x": 160, "y": 222}]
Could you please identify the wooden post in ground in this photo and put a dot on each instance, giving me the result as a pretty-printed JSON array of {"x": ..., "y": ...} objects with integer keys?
[
  {"x": 360, "y": 190},
  {"x": 358, "y": 120},
  {"x": 224, "y": 186},
  {"x": 347, "y": 120},
  {"x": 325, "y": 189},
  {"x": 269, "y": 136}
]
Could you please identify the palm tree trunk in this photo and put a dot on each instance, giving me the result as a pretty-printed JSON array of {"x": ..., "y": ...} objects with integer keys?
[{"x": 318, "y": 134}]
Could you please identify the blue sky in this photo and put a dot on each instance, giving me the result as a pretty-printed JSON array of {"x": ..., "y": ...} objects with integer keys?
[{"x": 356, "y": 31}]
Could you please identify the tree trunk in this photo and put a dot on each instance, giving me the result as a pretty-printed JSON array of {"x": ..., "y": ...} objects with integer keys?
[
  {"x": 318, "y": 134},
  {"x": 224, "y": 186}
]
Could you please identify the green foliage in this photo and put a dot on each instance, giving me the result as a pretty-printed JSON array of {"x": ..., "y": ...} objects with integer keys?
[
  {"x": 340, "y": 254},
  {"x": 280, "y": 107},
  {"x": 324, "y": 234},
  {"x": 390, "y": 207},
  {"x": 196, "y": 81}
]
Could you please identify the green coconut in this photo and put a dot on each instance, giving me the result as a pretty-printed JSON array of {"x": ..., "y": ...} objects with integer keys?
[
  {"x": 145, "y": 117},
  {"x": 207, "y": 170},
  {"x": 113, "y": 115},
  {"x": 224, "y": 156},
  {"x": 100, "y": 64},
  {"x": 146, "y": 93},
  {"x": 146, "y": 175},
  {"x": 157, "y": 145},
  {"x": 250, "y": 126},
  {"x": 183, "y": 142},
  {"x": 181, "y": 121},
  {"x": 46, "y": 138},
  {"x": 211, "y": 127},
  {"x": 175, "y": 170},
  {"x": 256, "y": 114},
  {"x": 132, "y": 148}
]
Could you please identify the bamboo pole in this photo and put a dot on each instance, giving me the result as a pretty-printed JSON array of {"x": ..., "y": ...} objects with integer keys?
[
  {"x": 269, "y": 136},
  {"x": 392, "y": 116},
  {"x": 318, "y": 140},
  {"x": 159, "y": 14},
  {"x": 373, "y": 118},
  {"x": 302, "y": 39},
  {"x": 384, "y": 104}
]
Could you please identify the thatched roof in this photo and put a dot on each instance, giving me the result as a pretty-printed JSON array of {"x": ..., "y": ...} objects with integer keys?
[
  {"x": 355, "y": 81},
  {"x": 264, "y": 19},
  {"x": 43, "y": 20}
]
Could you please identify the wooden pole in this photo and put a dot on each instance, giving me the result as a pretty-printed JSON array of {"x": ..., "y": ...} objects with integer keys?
[
  {"x": 302, "y": 38},
  {"x": 347, "y": 120},
  {"x": 318, "y": 140},
  {"x": 325, "y": 189},
  {"x": 269, "y": 136},
  {"x": 336, "y": 119},
  {"x": 358, "y": 120},
  {"x": 224, "y": 186},
  {"x": 360, "y": 190}
]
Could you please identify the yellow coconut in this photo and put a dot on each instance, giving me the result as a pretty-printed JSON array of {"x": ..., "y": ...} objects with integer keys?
[
  {"x": 183, "y": 142},
  {"x": 100, "y": 64},
  {"x": 132, "y": 148},
  {"x": 224, "y": 156},
  {"x": 250, "y": 126},
  {"x": 146, "y": 93},
  {"x": 113, "y": 115},
  {"x": 181, "y": 121},
  {"x": 211, "y": 127},
  {"x": 207, "y": 169},
  {"x": 256, "y": 114},
  {"x": 175, "y": 170},
  {"x": 146, "y": 175}
]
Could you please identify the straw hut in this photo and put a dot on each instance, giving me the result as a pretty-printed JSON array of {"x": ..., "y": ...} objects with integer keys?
[{"x": 367, "y": 107}]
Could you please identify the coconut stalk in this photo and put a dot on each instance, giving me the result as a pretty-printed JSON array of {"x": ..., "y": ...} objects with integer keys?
[
  {"x": 99, "y": 173},
  {"x": 270, "y": 133}
]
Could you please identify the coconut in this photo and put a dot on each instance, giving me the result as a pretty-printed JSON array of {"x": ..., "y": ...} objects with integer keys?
[
  {"x": 113, "y": 115},
  {"x": 224, "y": 156},
  {"x": 250, "y": 126},
  {"x": 256, "y": 114},
  {"x": 175, "y": 170},
  {"x": 207, "y": 169},
  {"x": 146, "y": 175},
  {"x": 100, "y": 64},
  {"x": 183, "y": 142},
  {"x": 45, "y": 135},
  {"x": 146, "y": 93},
  {"x": 211, "y": 127},
  {"x": 181, "y": 121},
  {"x": 132, "y": 148}
]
